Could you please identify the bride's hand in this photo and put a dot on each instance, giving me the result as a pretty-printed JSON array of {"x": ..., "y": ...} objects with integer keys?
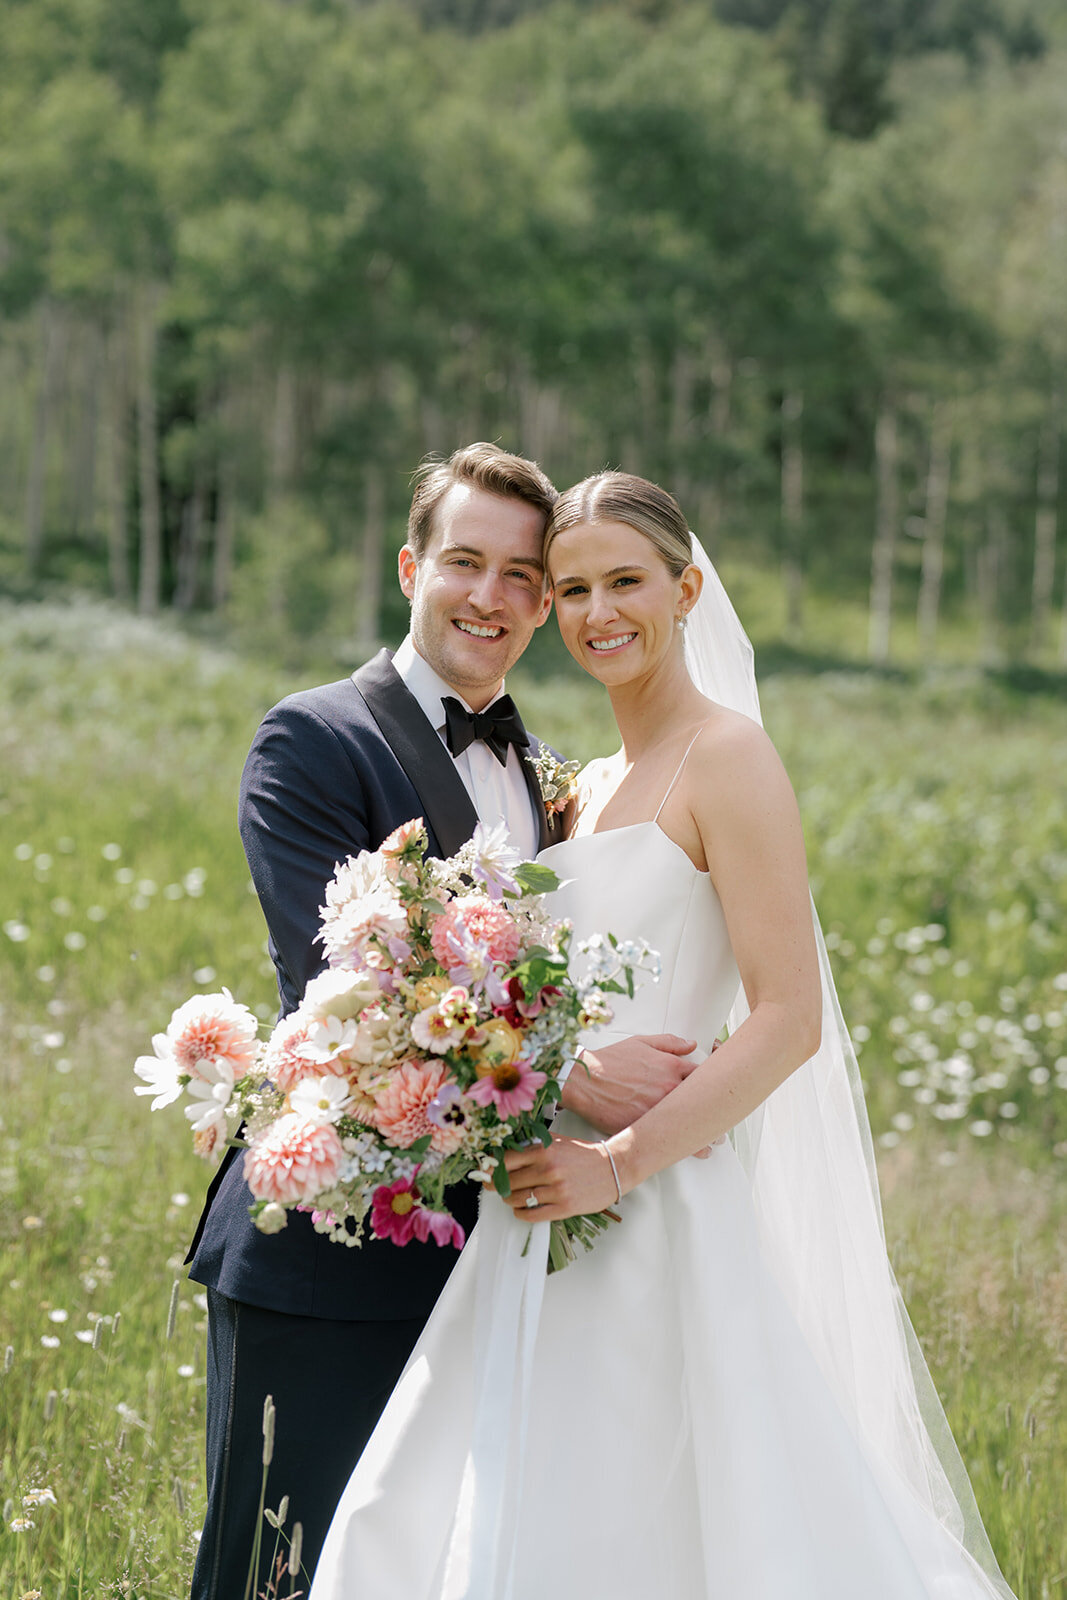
[{"x": 568, "y": 1179}]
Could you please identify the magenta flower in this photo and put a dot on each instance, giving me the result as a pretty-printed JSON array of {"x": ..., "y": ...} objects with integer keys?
[
  {"x": 512, "y": 1087},
  {"x": 439, "y": 1226},
  {"x": 394, "y": 1210}
]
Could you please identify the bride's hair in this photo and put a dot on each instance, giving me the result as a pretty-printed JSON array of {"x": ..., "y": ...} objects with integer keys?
[{"x": 620, "y": 497}]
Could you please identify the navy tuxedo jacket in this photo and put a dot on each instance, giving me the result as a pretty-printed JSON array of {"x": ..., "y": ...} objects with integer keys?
[{"x": 333, "y": 771}]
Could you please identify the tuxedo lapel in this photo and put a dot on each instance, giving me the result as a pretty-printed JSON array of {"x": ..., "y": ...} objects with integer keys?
[{"x": 447, "y": 807}]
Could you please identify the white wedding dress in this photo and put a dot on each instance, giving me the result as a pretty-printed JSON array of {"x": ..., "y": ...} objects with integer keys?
[{"x": 648, "y": 1424}]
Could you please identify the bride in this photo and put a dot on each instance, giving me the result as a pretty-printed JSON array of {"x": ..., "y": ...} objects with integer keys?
[{"x": 724, "y": 1400}]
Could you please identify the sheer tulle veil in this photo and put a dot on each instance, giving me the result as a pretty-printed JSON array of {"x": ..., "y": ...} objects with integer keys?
[{"x": 810, "y": 1161}]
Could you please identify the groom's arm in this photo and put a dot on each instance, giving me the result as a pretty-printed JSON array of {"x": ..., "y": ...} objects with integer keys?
[
  {"x": 615, "y": 1085},
  {"x": 302, "y": 809}
]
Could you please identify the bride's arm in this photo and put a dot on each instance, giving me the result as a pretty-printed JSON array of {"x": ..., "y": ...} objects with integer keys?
[{"x": 744, "y": 814}]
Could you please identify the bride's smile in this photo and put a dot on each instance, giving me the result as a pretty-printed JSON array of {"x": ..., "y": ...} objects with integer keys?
[{"x": 618, "y": 606}]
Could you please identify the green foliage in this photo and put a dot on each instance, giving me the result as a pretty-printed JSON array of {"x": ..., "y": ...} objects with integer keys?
[
  {"x": 124, "y": 889},
  {"x": 615, "y": 233}
]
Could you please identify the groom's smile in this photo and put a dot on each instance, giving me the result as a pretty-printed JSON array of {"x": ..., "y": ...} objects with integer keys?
[{"x": 478, "y": 591}]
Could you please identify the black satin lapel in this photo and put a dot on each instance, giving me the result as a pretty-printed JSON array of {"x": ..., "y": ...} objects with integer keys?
[
  {"x": 544, "y": 832},
  {"x": 447, "y": 807}
]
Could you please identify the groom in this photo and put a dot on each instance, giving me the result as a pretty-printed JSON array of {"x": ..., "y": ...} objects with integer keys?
[{"x": 426, "y": 732}]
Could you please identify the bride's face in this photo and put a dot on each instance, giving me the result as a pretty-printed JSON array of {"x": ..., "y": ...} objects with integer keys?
[{"x": 616, "y": 602}]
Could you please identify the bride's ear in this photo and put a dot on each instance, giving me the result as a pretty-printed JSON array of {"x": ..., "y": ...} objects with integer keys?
[{"x": 690, "y": 584}]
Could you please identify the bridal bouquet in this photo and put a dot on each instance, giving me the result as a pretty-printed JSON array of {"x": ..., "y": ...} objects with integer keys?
[{"x": 432, "y": 1043}]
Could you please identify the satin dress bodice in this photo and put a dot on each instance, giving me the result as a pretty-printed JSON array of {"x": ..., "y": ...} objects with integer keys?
[{"x": 636, "y": 883}]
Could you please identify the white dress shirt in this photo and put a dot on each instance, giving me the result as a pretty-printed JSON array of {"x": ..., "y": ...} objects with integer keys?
[{"x": 499, "y": 793}]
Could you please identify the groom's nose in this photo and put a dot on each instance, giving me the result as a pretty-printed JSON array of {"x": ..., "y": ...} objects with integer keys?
[{"x": 485, "y": 590}]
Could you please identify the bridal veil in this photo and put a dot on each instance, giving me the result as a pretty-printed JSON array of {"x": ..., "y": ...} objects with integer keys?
[{"x": 810, "y": 1161}]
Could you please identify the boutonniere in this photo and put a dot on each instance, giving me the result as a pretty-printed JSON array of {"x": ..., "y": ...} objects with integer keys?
[{"x": 557, "y": 780}]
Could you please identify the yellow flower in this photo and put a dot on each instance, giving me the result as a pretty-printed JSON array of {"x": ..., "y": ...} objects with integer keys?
[
  {"x": 499, "y": 1045},
  {"x": 429, "y": 990}
]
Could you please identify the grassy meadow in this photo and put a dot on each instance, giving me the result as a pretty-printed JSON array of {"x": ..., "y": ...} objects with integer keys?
[{"x": 937, "y": 830}]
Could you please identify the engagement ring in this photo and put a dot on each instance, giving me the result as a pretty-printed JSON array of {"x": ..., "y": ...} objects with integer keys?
[{"x": 531, "y": 1201}]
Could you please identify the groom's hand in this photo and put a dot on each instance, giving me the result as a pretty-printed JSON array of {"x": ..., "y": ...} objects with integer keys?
[{"x": 615, "y": 1085}]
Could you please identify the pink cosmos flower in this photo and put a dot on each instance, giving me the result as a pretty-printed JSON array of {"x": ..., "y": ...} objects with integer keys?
[
  {"x": 294, "y": 1160},
  {"x": 437, "y": 1225},
  {"x": 512, "y": 1087},
  {"x": 213, "y": 1031},
  {"x": 474, "y": 917},
  {"x": 401, "y": 1108},
  {"x": 393, "y": 1211}
]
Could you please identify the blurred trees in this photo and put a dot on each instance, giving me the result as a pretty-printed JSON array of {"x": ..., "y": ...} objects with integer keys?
[{"x": 805, "y": 264}]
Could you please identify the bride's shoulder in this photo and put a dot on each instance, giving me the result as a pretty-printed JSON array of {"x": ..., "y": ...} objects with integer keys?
[{"x": 734, "y": 755}]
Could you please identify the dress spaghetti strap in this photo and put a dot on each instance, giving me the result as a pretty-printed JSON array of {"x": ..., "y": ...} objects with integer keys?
[{"x": 678, "y": 774}]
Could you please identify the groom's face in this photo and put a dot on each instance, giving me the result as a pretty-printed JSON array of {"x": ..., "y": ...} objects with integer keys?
[{"x": 478, "y": 591}]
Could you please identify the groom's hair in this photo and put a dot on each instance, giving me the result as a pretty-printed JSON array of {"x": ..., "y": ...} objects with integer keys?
[{"x": 487, "y": 467}]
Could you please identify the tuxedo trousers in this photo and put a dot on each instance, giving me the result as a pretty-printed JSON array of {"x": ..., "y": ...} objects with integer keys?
[{"x": 329, "y": 1382}]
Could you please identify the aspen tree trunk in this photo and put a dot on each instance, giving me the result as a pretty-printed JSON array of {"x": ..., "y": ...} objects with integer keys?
[
  {"x": 713, "y": 496},
  {"x": 539, "y": 415},
  {"x": 52, "y": 342},
  {"x": 116, "y": 451},
  {"x": 371, "y": 560},
  {"x": 648, "y": 409},
  {"x": 679, "y": 425},
  {"x": 1048, "y": 484},
  {"x": 432, "y": 421},
  {"x": 793, "y": 510},
  {"x": 887, "y": 518},
  {"x": 990, "y": 569},
  {"x": 281, "y": 473},
  {"x": 150, "y": 580},
  {"x": 933, "y": 554},
  {"x": 83, "y": 458},
  {"x": 191, "y": 537},
  {"x": 281, "y": 463},
  {"x": 225, "y": 508}
]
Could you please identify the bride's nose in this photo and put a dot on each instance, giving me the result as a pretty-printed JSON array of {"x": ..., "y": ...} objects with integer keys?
[{"x": 602, "y": 609}]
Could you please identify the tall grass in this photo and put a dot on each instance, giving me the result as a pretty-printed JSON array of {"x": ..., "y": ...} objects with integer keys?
[{"x": 938, "y": 841}]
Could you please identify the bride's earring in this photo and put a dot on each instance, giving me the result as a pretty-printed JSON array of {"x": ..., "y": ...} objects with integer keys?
[{"x": 679, "y": 622}]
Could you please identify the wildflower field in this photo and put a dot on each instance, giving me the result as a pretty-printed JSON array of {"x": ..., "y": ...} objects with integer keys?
[{"x": 937, "y": 830}]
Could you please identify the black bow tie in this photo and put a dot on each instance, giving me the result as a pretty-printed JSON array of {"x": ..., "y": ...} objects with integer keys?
[{"x": 498, "y": 726}]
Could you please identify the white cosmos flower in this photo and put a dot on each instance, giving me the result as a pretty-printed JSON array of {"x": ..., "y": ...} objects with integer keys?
[
  {"x": 320, "y": 1099},
  {"x": 326, "y": 1040},
  {"x": 209, "y": 1105},
  {"x": 160, "y": 1073}
]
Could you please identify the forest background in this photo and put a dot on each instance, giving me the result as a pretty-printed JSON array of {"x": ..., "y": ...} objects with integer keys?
[{"x": 804, "y": 263}]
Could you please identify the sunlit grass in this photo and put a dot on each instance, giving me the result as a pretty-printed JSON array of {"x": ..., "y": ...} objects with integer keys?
[{"x": 123, "y": 889}]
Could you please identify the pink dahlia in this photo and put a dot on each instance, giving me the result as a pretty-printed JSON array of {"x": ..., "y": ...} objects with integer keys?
[
  {"x": 439, "y": 1226},
  {"x": 393, "y": 1211},
  {"x": 474, "y": 917},
  {"x": 400, "y": 1110},
  {"x": 212, "y": 1031},
  {"x": 511, "y": 1086},
  {"x": 294, "y": 1160}
]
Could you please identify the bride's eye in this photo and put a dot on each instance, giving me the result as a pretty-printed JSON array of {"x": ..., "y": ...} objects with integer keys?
[{"x": 573, "y": 588}]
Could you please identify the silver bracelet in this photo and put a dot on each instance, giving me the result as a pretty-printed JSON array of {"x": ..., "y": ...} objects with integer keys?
[{"x": 614, "y": 1169}]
